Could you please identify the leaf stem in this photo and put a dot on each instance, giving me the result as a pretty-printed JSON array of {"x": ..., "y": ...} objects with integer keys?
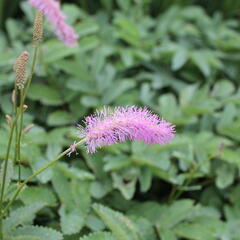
[{"x": 37, "y": 173}]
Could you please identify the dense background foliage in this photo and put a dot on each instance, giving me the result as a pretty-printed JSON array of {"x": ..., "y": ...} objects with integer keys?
[{"x": 179, "y": 58}]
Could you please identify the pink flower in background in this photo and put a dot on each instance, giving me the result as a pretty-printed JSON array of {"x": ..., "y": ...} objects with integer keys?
[
  {"x": 110, "y": 126},
  {"x": 51, "y": 10}
]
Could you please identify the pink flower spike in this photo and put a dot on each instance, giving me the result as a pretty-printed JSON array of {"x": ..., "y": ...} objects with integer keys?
[
  {"x": 51, "y": 10},
  {"x": 72, "y": 149},
  {"x": 109, "y": 126}
]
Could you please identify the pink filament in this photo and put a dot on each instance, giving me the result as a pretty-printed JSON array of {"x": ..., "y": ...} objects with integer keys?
[{"x": 108, "y": 127}]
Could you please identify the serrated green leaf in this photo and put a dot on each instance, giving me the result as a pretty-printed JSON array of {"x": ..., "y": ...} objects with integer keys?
[
  {"x": 145, "y": 179},
  {"x": 175, "y": 213},
  {"x": 45, "y": 94},
  {"x": 32, "y": 194},
  {"x": 98, "y": 236},
  {"x": 56, "y": 50},
  {"x": 146, "y": 228},
  {"x": 36, "y": 232},
  {"x": 75, "y": 197},
  {"x": 59, "y": 118},
  {"x": 21, "y": 215},
  {"x": 225, "y": 175},
  {"x": 71, "y": 220},
  {"x": 116, "y": 89},
  {"x": 73, "y": 172},
  {"x": 120, "y": 225},
  {"x": 223, "y": 88},
  {"x": 77, "y": 69},
  {"x": 94, "y": 223},
  {"x": 167, "y": 234},
  {"x": 88, "y": 43},
  {"x": 201, "y": 60},
  {"x": 202, "y": 229},
  {"x": 38, "y": 163},
  {"x": 179, "y": 59},
  {"x": 87, "y": 27}
]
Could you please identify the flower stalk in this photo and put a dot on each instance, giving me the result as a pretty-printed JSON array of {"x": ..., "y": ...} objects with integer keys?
[
  {"x": 5, "y": 174},
  {"x": 38, "y": 172},
  {"x": 19, "y": 95}
]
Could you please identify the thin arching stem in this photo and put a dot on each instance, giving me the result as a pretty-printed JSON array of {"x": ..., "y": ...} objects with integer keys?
[{"x": 38, "y": 172}]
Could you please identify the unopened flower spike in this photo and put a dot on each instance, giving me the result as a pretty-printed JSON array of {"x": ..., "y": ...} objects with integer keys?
[
  {"x": 52, "y": 12},
  {"x": 109, "y": 126},
  {"x": 38, "y": 27},
  {"x": 20, "y": 68}
]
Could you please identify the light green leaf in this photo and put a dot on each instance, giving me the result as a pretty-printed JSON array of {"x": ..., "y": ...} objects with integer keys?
[
  {"x": 179, "y": 59},
  {"x": 36, "y": 233},
  {"x": 202, "y": 229},
  {"x": 225, "y": 175},
  {"x": 87, "y": 27},
  {"x": 99, "y": 236},
  {"x": 58, "y": 118},
  {"x": 175, "y": 213},
  {"x": 77, "y": 69},
  {"x": 21, "y": 215},
  {"x": 121, "y": 226},
  {"x": 32, "y": 194},
  {"x": 145, "y": 179},
  {"x": 45, "y": 94},
  {"x": 126, "y": 185},
  {"x": 71, "y": 221},
  {"x": 201, "y": 60},
  {"x": 89, "y": 43},
  {"x": 56, "y": 50},
  {"x": 116, "y": 89},
  {"x": 89, "y": 101},
  {"x": 9, "y": 173},
  {"x": 75, "y": 197},
  {"x": 223, "y": 88},
  {"x": 167, "y": 234}
]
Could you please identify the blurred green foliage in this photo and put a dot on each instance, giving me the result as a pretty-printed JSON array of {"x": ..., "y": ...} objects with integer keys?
[{"x": 184, "y": 65}]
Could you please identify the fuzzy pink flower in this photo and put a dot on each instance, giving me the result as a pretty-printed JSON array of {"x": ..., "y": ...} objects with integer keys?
[
  {"x": 51, "y": 10},
  {"x": 110, "y": 126}
]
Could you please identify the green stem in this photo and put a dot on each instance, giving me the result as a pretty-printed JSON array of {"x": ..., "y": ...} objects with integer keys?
[
  {"x": 15, "y": 110},
  {"x": 6, "y": 162},
  {"x": 1, "y": 233},
  {"x": 37, "y": 173},
  {"x": 1, "y": 15},
  {"x": 19, "y": 136},
  {"x": 5, "y": 174},
  {"x": 32, "y": 71},
  {"x": 178, "y": 193},
  {"x": 16, "y": 138},
  {"x": 22, "y": 99}
]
